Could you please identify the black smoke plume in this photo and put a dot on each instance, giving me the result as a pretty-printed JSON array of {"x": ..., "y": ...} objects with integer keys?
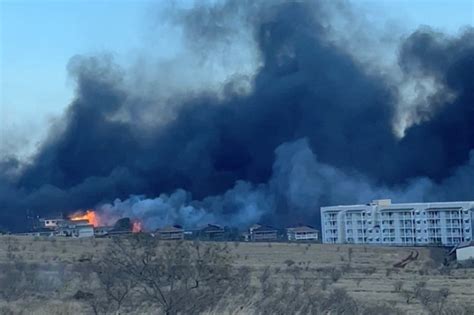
[{"x": 315, "y": 128}]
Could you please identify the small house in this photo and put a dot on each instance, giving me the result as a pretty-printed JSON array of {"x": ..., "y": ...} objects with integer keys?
[
  {"x": 174, "y": 232},
  {"x": 302, "y": 233},
  {"x": 212, "y": 232},
  {"x": 263, "y": 233}
]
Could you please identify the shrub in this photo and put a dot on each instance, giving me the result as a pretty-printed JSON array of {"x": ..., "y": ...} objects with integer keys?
[
  {"x": 398, "y": 285},
  {"x": 335, "y": 274},
  {"x": 176, "y": 277},
  {"x": 289, "y": 262}
]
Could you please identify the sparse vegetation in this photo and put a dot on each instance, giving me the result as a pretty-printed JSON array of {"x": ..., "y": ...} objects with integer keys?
[
  {"x": 126, "y": 276},
  {"x": 398, "y": 286},
  {"x": 289, "y": 262},
  {"x": 175, "y": 277}
]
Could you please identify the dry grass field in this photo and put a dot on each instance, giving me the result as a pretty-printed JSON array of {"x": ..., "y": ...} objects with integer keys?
[{"x": 56, "y": 269}]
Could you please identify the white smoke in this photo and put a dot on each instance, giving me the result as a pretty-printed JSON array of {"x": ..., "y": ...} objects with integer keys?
[
  {"x": 159, "y": 211},
  {"x": 246, "y": 202},
  {"x": 358, "y": 26}
]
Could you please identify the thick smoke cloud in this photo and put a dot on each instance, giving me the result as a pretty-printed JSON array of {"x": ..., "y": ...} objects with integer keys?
[
  {"x": 239, "y": 155},
  {"x": 298, "y": 186}
]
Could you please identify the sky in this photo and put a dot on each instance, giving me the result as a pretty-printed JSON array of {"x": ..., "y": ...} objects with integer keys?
[
  {"x": 195, "y": 111},
  {"x": 37, "y": 39}
]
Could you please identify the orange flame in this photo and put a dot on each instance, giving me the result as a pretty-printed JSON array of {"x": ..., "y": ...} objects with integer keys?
[
  {"x": 137, "y": 227},
  {"x": 97, "y": 219},
  {"x": 89, "y": 215}
]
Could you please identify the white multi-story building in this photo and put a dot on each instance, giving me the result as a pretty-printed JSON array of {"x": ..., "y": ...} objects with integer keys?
[{"x": 409, "y": 224}]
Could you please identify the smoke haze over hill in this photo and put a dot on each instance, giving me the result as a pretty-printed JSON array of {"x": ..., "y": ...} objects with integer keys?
[{"x": 309, "y": 123}]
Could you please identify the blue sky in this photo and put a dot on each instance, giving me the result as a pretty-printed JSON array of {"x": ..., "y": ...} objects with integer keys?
[{"x": 37, "y": 39}]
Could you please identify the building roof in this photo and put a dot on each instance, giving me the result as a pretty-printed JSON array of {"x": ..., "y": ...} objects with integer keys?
[
  {"x": 302, "y": 228},
  {"x": 104, "y": 227},
  {"x": 264, "y": 228},
  {"x": 465, "y": 244},
  {"x": 50, "y": 219},
  {"x": 213, "y": 228},
  {"x": 84, "y": 226},
  {"x": 78, "y": 222},
  {"x": 170, "y": 228},
  {"x": 385, "y": 205},
  {"x": 255, "y": 226}
]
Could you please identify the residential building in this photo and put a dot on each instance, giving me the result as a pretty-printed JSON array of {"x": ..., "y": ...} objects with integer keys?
[
  {"x": 263, "y": 233},
  {"x": 61, "y": 227},
  {"x": 408, "y": 224},
  {"x": 302, "y": 233},
  {"x": 465, "y": 251},
  {"x": 212, "y": 232},
  {"x": 76, "y": 228},
  {"x": 175, "y": 232}
]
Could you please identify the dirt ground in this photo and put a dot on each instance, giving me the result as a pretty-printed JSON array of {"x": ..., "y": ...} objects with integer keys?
[{"x": 370, "y": 274}]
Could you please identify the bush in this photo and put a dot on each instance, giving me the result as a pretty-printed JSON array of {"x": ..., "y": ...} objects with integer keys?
[
  {"x": 469, "y": 263},
  {"x": 19, "y": 279},
  {"x": 339, "y": 302},
  {"x": 289, "y": 262},
  {"x": 398, "y": 285},
  {"x": 175, "y": 277},
  {"x": 336, "y": 274}
]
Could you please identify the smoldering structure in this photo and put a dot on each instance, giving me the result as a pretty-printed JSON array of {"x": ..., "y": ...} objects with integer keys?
[{"x": 315, "y": 127}]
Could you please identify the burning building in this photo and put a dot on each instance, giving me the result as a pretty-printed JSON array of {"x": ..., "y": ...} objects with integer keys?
[
  {"x": 88, "y": 223},
  {"x": 51, "y": 227}
]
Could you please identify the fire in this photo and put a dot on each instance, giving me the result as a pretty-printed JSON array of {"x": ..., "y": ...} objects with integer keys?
[
  {"x": 99, "y": 219},
  {"x": 89, "y": 215},
  {"x": 137, "y": 227}
]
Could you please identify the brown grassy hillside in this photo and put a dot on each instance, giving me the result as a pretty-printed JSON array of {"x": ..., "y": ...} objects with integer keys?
[{"x": 52, "y": 271}]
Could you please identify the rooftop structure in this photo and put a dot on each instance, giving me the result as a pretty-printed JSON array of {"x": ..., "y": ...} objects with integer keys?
[
  {"x": 50, "y": 223},
  {"x": 409, "y": 224}
]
